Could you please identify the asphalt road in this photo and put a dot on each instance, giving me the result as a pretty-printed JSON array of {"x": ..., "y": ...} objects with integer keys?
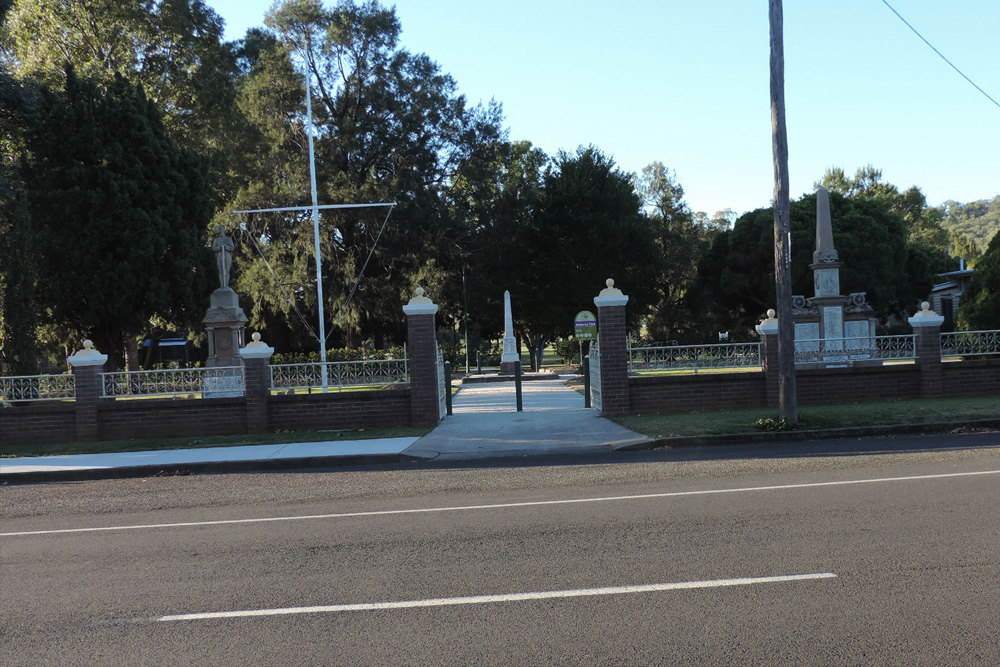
[{"x": 890, "y": 549}]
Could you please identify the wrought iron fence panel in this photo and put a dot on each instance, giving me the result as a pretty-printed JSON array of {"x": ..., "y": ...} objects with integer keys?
[
  {"x": 970, "y": 343},
  {"x": 596, "y": 400},
  {"x": 17, "y": 388},
  {"x": 865, "y": 348},
  {"x": 175, "y": 383},
  {"x": 340, "y": 374},
  {"x": 693, "y": 357},
  {"x": 442, "y": 387}
]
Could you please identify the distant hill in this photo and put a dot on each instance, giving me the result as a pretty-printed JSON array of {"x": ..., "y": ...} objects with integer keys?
[{"x": 977, "y": 221}]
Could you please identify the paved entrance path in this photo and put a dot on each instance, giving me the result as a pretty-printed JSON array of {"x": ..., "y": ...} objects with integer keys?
[{"x": 485, "y": 423}]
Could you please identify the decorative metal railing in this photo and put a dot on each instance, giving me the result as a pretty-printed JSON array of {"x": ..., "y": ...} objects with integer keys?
[
  {"x": 18, "y": 388},
  {"x": 693, "y": 357},
  {"x": 442, "y": 386},
  {"x": 596, "y": 400},
  {"x": 339, "y": 374},
  {"x": 970, "y": 343},
  {"x": 175, "y": 382},
  {"x": 874, "y": 348}
]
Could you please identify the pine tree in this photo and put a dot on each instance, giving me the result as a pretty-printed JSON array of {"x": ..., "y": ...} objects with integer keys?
[{"x": 120, "y": 213}]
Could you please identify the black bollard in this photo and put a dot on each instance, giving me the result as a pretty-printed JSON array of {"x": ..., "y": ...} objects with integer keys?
[
  {"x": 517, "y": 384},
  {"x": 586, "y": 381}
]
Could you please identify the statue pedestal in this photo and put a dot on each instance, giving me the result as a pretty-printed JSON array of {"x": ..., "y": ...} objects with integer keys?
[{"x": 224, "y": 322}]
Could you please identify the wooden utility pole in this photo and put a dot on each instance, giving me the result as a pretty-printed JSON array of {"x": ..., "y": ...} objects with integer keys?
[{"x": 787, "y": 400}]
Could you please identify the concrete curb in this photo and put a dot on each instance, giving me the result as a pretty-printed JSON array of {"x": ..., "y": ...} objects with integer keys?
[
  {"x": 210, "y": 467},
  {"x": 762, "y": 437},
  {"x": 418, "y": 456}
]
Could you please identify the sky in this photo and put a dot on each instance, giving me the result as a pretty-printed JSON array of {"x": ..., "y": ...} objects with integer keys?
[{"x": 686, "y": 83}]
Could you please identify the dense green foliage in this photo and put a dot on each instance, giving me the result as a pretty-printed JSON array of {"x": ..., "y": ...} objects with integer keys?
[
  {"x": 980, "y": 306},
  {"x": 976, "y": 222},
  {"x": 118, "y": 211},
  {"x": 736, "y": 286},
  {"x": 115, "y": 172},
  {"x": 18, "y": 266},
  {"x": 172, "y": 48},
  {"x": 390, "y": 127},
  {"x": 588, "y": 227}
]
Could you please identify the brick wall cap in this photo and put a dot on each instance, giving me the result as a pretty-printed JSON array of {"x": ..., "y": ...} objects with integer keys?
[
  {"x": 610, "y": 296},
  {"x": 88, "y": 356},
  {"x": 420, "y": 305},
  {"x": 769, "y": 325},
  {"x": 926, "y": 317},
  {"x": 256, "y": 349}
]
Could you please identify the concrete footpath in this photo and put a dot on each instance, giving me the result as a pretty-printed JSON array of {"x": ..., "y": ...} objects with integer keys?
[{"x": 485, "y": 423}]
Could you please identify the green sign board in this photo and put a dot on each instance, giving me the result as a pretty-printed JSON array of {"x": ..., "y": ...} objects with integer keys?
[{"x": 585, "y": 325}]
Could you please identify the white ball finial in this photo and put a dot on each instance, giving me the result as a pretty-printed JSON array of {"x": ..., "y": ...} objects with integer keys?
[
  {"x": 88, "y": 344},
  {"x": 256, "y": 336},
  {"x": 609, "y": 282},
  {"x": 771, "y": 313},
  {"x": 925, "y": 306},
  {"x": 420, "y": 291}
]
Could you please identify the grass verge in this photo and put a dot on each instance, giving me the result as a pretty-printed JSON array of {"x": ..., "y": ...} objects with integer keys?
[
  {"x": 210, "y": 441},
  {"x": 841, "y": 415}
]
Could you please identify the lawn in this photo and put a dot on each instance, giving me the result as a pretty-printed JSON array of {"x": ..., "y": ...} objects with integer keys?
[{"x": 842, "y": 415}]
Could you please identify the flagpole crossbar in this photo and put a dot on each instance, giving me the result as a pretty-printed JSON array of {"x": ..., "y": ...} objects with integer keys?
[{"x": 309, "y": 208}]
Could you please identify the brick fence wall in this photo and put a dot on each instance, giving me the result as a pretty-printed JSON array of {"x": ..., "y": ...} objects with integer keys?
[
  {"x": 37, "y": 424},
  {"x": 861, "y": 383},
  {"x": 971, "y": 378},
  {"x": 692, "y": 393},
  {"x": 340, "y": 410},
  {"x": 730, "y": 391},
  {"x": 181, "y": 418},
  {"x": 91, "y": 417}
]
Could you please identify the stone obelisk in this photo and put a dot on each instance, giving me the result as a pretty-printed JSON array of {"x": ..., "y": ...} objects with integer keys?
[
  {"x": 826, "y": 273},
  {"x": 510, "y": 356}
]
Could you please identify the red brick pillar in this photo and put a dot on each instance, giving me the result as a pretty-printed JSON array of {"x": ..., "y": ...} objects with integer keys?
[
  {"x": 612, "y": 337},
  {"x": 927, "y": 328},
  {"x": 768, "y": 331},
  {"x": 421, "y": 349},
  {"x": 257, "y": 383},
  {"x": 87, "y": 364}
]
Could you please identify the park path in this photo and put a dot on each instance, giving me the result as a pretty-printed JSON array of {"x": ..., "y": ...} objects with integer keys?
[{"x": 485, "y": 423}]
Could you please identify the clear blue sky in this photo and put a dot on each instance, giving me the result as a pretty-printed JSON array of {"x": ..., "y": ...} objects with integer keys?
[{"x": 686, "y": 83}]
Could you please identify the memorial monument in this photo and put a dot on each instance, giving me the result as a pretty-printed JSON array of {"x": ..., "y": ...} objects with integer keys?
[
  {"x": 510, "y": 355},
  {"x": 830, "y": 326},
  {"x": 224, "y": 319}
]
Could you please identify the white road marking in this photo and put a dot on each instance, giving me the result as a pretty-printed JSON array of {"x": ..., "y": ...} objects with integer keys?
[
  {"x": 534, "y": 503},
  {"x": 487, "y": 599}
]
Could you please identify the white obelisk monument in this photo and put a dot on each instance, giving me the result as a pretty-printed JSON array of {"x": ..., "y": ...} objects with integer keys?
[{"x": 510, "y": 356}]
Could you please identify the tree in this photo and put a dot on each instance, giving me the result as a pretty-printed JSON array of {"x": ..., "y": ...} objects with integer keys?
[
  {"x": 979, "y": 309},
  {"x": 923, "y": 224},
  {"x": 589, "y": 226},
  {"x": 390, "y": 126},
  {"x": 973, "y": 223},
  {"x": 681, "y": 239},
  {"x": 120, "y": 212},
  {"x": 493, "y": 200},
  {"x": 733, "y": 285},
  {"x": 172, "y": 48},
  {"x": 18, "y": 268}
]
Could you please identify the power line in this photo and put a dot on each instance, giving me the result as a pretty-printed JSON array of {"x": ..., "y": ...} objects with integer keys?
[{"x": 940, "y": 54}]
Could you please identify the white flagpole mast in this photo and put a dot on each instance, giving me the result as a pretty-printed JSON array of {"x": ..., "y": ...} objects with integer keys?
[{"x": 315, "y": 219}]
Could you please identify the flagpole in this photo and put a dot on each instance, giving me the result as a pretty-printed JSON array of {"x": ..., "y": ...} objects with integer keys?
[{"x": 315, "y": 219}]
